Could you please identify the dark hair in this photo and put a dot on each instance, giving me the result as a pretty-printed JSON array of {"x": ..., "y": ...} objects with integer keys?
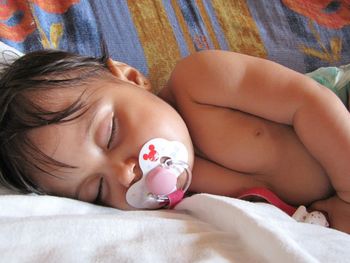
[{"x": 19, "y": 81}]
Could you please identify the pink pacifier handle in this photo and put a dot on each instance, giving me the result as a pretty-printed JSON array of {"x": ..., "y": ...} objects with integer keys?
[
  {"x": 161, "y": 181},
  {"x": 175, "y": 198},
  {"x": 270, "y": 197}
]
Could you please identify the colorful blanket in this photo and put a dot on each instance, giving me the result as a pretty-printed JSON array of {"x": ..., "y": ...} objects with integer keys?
[{"x": 152, "y": 35}]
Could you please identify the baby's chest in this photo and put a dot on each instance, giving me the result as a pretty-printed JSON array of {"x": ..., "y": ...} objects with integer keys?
[
  {"x": 237, "y": 140},
  {"x": 272, "y": 153}
]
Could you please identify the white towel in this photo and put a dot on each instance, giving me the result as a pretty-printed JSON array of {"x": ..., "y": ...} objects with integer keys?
[{"x": 203, "y": 228}]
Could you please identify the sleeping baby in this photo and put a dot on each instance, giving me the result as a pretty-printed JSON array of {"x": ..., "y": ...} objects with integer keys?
[{"x": 226, "y": 124}]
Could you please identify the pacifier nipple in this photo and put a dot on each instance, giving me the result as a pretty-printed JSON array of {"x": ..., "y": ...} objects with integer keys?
[{"x": 161, "y": 181}]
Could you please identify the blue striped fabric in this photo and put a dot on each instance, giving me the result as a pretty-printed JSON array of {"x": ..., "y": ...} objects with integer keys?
[
  {"x": 118, "y": 33},
  {"x": 218, "y": 30},
  {"x": 177, "y": 29}
]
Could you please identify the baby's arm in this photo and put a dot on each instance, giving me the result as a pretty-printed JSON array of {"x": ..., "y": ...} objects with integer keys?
[
  {"x": 276, "y": 93},
  {"x": 338, "y": 212}
]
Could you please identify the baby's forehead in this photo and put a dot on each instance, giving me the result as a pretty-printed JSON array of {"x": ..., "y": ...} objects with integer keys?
[
  {"x": 52, "y": 100},
  {"x": 69, "y": 83},
  {"x": 59, "y": 98}
]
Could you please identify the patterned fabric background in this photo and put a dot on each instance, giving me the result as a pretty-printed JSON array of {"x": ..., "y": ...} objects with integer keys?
[{"x": 153, "y": 34}]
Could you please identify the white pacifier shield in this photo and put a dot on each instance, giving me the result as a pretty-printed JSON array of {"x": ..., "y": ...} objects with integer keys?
[{"x": 153, "y": 154}]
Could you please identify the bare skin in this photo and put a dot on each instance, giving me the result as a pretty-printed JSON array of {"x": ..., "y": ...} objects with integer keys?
[
  {"x": 252, "y": 123},
  {"x": 273, "y": 127}
]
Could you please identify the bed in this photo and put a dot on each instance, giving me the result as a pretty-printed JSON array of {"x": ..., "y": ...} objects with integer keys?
[{"x": 152, "y": 36}]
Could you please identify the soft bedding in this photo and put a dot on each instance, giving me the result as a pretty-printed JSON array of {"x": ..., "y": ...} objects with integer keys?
[
  {"x": 152, "y": 36},
  {"x": 202, "y": 228}
]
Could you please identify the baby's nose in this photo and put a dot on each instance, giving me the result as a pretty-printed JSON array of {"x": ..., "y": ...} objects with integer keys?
[{"x": 129, "y": 173}]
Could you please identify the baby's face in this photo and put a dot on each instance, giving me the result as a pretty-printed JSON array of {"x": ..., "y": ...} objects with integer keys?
[{"x": 104, "y": 143}]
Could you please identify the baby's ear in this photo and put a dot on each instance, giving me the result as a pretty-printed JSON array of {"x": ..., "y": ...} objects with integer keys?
[{"x": 128, "y": 73}]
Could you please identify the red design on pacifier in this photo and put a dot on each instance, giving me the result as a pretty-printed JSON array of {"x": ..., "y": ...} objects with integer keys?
[{"x": 152, "y": 155}]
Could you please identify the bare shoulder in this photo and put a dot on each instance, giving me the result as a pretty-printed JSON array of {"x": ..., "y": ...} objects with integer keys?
[
  {"x": 211, "y": 57},
  {"x": 204, "y": 70},
  {"x": 215, "y": 59},
  {"x": 204, "y": 75},
  {"x": 204, "y": 65}
]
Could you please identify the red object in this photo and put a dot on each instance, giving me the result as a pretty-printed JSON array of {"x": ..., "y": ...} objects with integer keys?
[
  {"x": 153, "y": 154},
  {"x": 270, "y": 197},
  {"x": 175, "y": 198}
]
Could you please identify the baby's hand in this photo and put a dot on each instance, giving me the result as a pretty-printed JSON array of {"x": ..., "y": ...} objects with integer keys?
[{"x": 338, "y": 212}]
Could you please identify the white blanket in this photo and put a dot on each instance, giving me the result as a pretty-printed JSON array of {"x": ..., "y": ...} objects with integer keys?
[{"x": 203, "y": 228}]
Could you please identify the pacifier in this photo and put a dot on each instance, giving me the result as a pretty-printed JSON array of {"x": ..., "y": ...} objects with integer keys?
[{"x": 166, "y": 175}]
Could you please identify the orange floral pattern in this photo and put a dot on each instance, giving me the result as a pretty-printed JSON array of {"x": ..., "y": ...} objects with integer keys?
[
  {"x": 55, "y": 6},
  {"x": 16, "y": 31},
  {"x": 317, "y": 11},
  {"x": 22, "y": 22}
]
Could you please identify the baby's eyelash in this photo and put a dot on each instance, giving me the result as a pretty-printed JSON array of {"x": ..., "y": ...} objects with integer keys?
[
  {"x": 113, "y": 133},
  {"x": 99, "y": 192}
]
